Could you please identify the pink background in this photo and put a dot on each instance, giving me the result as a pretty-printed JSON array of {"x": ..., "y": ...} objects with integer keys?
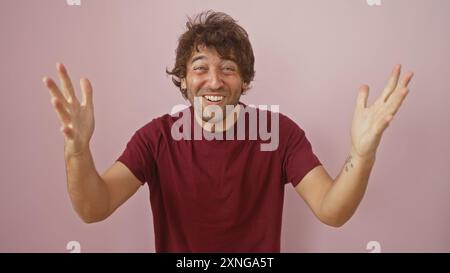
[{"x": 311, "y": 57}]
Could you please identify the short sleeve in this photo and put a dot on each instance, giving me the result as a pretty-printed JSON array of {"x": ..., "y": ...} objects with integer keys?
[
  {"x": 138, "y": 157},
  {"x": 299, "y": 156}
]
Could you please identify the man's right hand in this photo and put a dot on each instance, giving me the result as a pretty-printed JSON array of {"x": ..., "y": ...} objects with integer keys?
[{"x": 77, "y": 120}]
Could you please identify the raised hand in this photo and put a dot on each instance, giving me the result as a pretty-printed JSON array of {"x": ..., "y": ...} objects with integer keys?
[
  {"x": 77, "y": 120},
  {"x": 369, "y": 122}
]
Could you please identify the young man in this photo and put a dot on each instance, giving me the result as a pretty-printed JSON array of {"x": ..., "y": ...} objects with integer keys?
[{"x": 219, "y": 194}]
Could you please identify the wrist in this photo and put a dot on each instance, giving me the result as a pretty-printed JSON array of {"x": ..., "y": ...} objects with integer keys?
[
  {"x": 365, "y": 158},
  {"x": 70, "y": 153}
]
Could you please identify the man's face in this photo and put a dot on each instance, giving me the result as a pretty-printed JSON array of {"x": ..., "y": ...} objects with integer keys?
[{"x": 215, "y": 80}]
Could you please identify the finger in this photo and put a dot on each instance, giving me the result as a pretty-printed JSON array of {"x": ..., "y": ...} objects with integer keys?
[
  {"x": 392, "y": 83},
  {"x": 62, "y": 113},
  {"x": 363, "y": 94},
  {"x": 396, "y": 100},
  {"x": 66, "y": 83},
  {"x": 54, "y": 91},
  {"x": 86, "y": 89},
  {"x": 406, "y": 79}
]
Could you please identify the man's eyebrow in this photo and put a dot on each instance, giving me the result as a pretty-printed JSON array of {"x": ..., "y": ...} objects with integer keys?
[
  {"x": 230, "y": 60},
  {"x": 196, "y": 58},
  {"x": 201, "y": 57}
]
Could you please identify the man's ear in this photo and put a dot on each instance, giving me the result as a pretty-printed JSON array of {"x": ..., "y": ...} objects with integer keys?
[{"x": 183, "y": 83}]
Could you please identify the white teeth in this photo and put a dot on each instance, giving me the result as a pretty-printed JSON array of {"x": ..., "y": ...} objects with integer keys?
[{"x": 214, "y": 98}]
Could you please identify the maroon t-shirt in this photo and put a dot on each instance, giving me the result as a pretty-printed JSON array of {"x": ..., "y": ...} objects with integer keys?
[{"x": 217, "y": 195}]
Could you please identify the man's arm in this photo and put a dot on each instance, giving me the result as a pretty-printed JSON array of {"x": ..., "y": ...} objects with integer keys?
[
  {"x": 334, "y": 202},
  {"x": 93, "y": 197},
  {"x": 96, "y": 197}
]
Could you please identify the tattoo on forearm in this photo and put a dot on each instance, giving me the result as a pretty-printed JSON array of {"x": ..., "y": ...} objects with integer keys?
[{"x": 348, "y": 163}]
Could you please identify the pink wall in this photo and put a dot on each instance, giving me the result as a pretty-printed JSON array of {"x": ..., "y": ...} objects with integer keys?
[{"x": 311, "y": 57}]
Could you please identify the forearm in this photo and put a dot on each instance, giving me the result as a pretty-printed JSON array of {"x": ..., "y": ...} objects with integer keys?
[
  {"x": 86, "y": 188},
  {"x": 342, "y": 199}
]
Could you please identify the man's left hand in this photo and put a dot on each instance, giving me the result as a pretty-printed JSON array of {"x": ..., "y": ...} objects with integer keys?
[{"x": 370, "y": 122}]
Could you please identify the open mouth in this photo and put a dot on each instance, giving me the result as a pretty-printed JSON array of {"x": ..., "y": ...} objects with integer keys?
[{"x": 213, "y": 99}]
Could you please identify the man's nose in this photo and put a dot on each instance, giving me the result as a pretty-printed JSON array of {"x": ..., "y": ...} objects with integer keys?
[{"x": 215, "y": 80}]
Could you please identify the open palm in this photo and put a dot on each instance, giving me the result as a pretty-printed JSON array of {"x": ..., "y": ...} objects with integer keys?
[
  {"x": 369, "y": 122},
  {"x": 77, "y": 119}
]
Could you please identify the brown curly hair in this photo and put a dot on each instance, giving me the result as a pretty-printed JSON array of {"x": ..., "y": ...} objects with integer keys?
[{"x": 217, "y": 30}]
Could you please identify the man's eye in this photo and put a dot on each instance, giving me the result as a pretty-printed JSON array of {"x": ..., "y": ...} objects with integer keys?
[
  {"x": 229, "y": 68},
  {"x": 200, "y": 68}
]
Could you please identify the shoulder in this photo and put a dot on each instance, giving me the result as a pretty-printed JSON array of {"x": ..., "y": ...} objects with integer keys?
[
  {"x": 160, "y": 123},
  {"x": 291, "y": 133},
  {"x": 287, "y": 125},
  {"x": 284, "y": 121},
  {"x": 160, "y": 126},
  {"x": 287, "y": 131}
]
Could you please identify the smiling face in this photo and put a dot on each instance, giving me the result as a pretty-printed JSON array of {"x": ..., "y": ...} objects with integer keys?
[{"x": 214, "y": 80}]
